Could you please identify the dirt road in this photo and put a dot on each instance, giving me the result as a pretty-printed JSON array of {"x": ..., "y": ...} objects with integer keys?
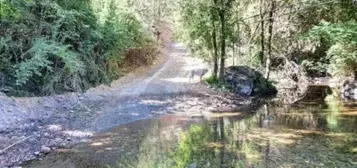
[{"x": 32, "y": 127}]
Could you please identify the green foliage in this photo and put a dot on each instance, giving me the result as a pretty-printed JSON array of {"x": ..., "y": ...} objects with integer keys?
[
  {"x": 212, "y": 80},
  {"x": 342, "y": 54},
  {"x": 315, "y": 67},
  {"x": 198, "y": 21},
  {"x": 8, "y": 12},
  {"x": 331, "y": 25},
  {"x": 253, "y": 59},
  {"x": 38, "y": 54},
  {"x": 55, "y": 46}
]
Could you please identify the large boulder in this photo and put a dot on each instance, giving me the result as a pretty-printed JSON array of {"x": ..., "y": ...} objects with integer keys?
[
  {"x": 349, "y": 90},
  {"x": 246, "y": 81}
]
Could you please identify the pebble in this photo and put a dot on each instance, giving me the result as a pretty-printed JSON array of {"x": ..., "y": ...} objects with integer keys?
[
  {"x": 45, "y": 149},
  {"x": 36, "y": 153}
]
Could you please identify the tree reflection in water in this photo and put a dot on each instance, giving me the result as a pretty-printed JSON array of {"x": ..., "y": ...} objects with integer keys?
[
  {"x": 272, "y": 137},
  {"x": 308, "y": 135}
]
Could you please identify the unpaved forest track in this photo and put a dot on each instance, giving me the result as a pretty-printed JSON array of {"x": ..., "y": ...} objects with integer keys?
[{"x": 62, "y": 121}]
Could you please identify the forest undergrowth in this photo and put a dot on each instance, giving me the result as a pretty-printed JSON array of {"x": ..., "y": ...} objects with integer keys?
[{"x": 55, "y": 46}]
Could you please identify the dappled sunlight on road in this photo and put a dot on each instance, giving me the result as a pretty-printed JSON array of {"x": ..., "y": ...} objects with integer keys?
[{"x": 178, "y": 80}]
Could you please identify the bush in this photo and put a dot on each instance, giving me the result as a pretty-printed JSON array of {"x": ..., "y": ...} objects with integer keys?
[
  {"x": 56, "y": 46},
  {"x": 212, "y": 81},
  {"x": 342, "y": 53}
]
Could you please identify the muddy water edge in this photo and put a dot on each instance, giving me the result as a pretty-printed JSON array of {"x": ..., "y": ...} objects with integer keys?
[{"x": 310, "y": 134}]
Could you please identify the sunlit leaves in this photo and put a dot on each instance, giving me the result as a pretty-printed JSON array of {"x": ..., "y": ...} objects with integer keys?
[{"x": 343, "y": 51}]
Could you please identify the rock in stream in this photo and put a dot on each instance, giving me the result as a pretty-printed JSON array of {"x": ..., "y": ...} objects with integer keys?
[{"x": 247, "y": 81}]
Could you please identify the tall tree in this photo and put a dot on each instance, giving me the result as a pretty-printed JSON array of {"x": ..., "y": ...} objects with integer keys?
[
  {"x": 215, "y": 46},
  {"x": 223, "y": 7},
  {"x": 262, "y": 31},
  {"x": 270, "y": 38},
  {"x": 200, "y": 22}
]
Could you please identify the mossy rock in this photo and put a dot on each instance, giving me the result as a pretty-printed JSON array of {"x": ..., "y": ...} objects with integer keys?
[{"x": 247, "y": 81}]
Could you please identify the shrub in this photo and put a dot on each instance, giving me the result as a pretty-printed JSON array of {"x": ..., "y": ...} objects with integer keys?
[
  {"x": 212, "y": 81},
  {"x": 342, "y": 53},
  {"x": 56, "y": 46}
]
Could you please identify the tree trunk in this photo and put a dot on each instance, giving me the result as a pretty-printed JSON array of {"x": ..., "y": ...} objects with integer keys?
[
  {"x": 238, "y": 41},
  {"x": 215, "y": 48},
  {"x": 223, "y": 45},
  {"x": 157, "y": 22},
  {"x": 234, "y": 54},
  {"x": 262, "y": 37},
  {"x": 270, "y": 39},
  {"x": 238, "y": 31}
]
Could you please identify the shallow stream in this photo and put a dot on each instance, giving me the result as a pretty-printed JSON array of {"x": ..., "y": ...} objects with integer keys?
[{"x": 306, "y": 135}]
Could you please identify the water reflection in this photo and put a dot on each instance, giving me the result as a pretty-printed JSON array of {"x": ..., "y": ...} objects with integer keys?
[{"x": 309, "y": 135}]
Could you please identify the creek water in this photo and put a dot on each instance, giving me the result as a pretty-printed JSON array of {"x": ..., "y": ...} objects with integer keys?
[{"x": 306, "y": 135}]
